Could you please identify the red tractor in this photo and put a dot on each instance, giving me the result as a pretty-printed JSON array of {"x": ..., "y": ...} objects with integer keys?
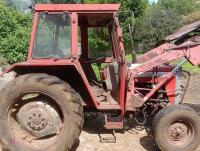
[{"x": 42, "y": 105}]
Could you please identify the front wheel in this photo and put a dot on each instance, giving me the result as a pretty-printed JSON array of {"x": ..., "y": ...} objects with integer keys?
[
  {"x": 39, "y": 112},
  {"x": 177, "y": 128}
]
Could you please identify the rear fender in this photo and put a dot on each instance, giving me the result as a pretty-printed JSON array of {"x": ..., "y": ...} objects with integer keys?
[{"x": 69, "y": 73}]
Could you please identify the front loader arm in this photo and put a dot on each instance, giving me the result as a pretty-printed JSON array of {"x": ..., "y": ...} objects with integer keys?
[
  {"x": 153, "y": 53},
  {"x": 189, "y": 50}
]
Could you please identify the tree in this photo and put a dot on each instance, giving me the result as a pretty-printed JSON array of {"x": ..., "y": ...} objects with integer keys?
[
  {"x": 14, "y": 34},
  {"x": 20, "y": 5},
  {"x": 183, "y": 7},
  {"x": 156, "y": 24},
  {"x": 137, "y": 7},
  {"x": 23, "y": 5},
  {"x": 192, "y": 17},
  {"x": 2, "y": 2},
  {"x": 162, "y": 19}
]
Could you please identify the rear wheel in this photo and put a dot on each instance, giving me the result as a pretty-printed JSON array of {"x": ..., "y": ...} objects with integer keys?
[
  {"x": 177, "y": 128},
  {"x": 40, "y": 112}
]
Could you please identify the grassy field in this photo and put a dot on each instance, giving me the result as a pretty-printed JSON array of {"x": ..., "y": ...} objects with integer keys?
[
  {"x": 192, "y": 69},
  {"x": 129, "y": 58}
]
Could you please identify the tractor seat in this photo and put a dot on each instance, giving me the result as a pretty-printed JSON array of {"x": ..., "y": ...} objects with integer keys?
[{"x": 110, "y": 77}]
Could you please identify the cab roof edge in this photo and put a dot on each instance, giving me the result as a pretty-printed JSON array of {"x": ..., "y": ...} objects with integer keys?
[{"x": 77, "y": 7}]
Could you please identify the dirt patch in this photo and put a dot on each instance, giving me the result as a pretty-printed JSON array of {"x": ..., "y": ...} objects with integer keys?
[
  {"x": 193, "y": 91},
  {"x": 134, "y": 138}
]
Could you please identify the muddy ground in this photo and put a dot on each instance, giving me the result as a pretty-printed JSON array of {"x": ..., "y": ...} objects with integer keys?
[{"x": 134, "y": 138}]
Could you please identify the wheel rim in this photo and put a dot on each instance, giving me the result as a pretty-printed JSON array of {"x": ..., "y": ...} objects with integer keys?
[
  {"x": 35, "y": 119},
  {"x": 180, "y": 133}
]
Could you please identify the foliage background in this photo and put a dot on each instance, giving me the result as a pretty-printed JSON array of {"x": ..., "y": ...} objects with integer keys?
[
  {"x": 152, "y": 22},
  {"x": 15, "y": 28}
]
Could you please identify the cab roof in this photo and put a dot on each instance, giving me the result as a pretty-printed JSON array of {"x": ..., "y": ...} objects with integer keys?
[{"x": 78, "y": 7}]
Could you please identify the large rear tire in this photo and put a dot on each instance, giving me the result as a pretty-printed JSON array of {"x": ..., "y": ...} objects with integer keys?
[
  {"x": 177, "y": 128},
  {"x": 39, "y": 112}
]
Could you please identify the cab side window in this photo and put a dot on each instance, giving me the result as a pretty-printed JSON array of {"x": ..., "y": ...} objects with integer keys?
[{"x": 99, "y": 43}]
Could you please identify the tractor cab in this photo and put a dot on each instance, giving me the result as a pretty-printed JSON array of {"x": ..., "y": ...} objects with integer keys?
[{"x": 87, "y": 36}]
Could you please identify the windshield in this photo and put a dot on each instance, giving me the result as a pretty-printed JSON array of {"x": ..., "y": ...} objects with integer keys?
[{"x": 52, "y": 38}]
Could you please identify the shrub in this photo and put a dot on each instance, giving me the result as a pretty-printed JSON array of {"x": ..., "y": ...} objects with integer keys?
[
  {"x": 14, "y": 34},
  {"x": 191, "y": 18},
  {"x": 155, "y": 25}
]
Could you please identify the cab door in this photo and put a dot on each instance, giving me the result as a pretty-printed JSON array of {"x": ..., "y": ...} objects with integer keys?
[{"x": 119, "y": 52}]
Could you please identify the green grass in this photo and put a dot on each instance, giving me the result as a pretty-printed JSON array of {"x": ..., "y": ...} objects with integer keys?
[
  {"x": 129, "y": 57},
  {"x": 96, "y": 71},
  {"x": 189, "y": 67}
]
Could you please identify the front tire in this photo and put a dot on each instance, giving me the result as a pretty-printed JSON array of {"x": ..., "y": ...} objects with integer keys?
[
  {"x": 39, "y": 112},
  {"x": 177, "y": 128}
]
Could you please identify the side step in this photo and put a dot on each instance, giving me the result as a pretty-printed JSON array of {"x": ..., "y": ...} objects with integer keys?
[
  {"x": 113, "y": 123},
  {"x": 108, "y": 138}
]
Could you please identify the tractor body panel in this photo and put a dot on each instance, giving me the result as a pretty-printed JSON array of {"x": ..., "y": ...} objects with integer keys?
[
  {"x": 144, "y": 82},
  {"x": 66, "y": 70}
]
